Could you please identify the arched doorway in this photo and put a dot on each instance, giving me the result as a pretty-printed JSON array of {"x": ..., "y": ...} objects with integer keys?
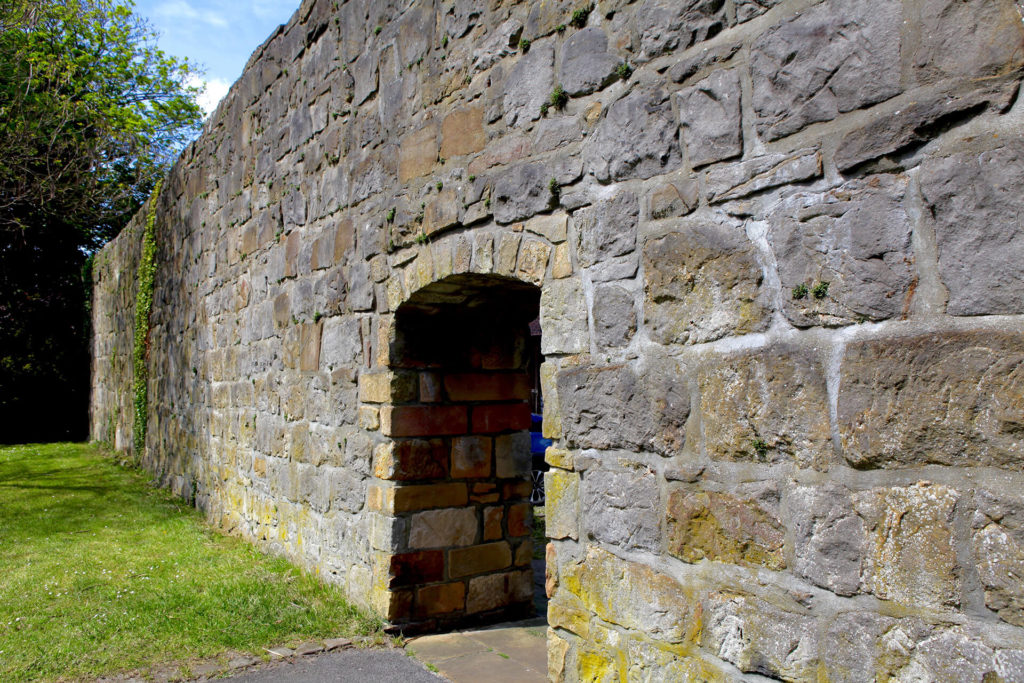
[{"x": 455, "y": 475}]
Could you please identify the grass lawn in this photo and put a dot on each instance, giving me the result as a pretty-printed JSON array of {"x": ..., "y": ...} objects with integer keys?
[{"x": 101, "y": 573}]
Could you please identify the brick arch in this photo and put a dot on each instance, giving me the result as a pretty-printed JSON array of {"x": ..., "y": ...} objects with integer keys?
[{"x": 453, "y": 478}]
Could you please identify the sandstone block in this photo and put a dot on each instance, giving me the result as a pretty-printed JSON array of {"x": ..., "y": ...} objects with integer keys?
[
  {"x": 423, "y": 497},
  {"x": 533, "y": 261},
  {"x": 586, "y": 64},
  {"x": 441, "y": 212},
  {"x": 498, "y": 590},
  {"x": 955, "y": 398},
  {"x": 512, "y": 455},
  {"x": 440, "y": 599},
  {"x": 703, "y": 283},
  {"x": 709, "y": 115},
  {"x": 463, "y": 132},
  {"x": 479, "y": 559},
  {"x": 833, "y": 58},
  {"x": 522, "y": 191},
  {"x": 616, "y": 407},
  {"x": 309, "y": 361},
  {"x": 471, "y": 456},
  {"x": 561, "y": 504},
  {"x": 766, "y": 406},
  {"x": 563, "y": 317},
  {"x": 975, "y": 201},
  {"x": 857, "y": 239},
  {"x": 911, "y": 556},
  {"x": 635, "y": 139},
  {"x": 552, "y": 227},
  {"x": 417, "y": 153},
  {"x": 621, "y": 508},
  {"x": 721, "y": 527},
  {"x": 443, "y": 528},
  {"x": 633, "y": 596},
  {"x": 520, "y": 519}
]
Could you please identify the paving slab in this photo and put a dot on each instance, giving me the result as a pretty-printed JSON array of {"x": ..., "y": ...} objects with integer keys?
[{"x": 507, "y": 653}]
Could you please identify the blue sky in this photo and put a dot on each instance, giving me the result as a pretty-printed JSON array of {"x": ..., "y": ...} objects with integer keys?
[{"x": 219, "y": 35}]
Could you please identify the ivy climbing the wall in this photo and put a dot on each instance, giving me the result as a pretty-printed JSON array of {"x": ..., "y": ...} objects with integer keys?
[{"x": 143, "y": 306}]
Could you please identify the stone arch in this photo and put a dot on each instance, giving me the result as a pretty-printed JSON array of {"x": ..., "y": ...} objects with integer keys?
[{"x": 452, "y": 480}]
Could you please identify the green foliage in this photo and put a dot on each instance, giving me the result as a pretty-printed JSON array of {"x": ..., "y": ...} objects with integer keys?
[
  {"x": 544, "y": 106},
  {"x": 560, "y": 28},
  {"x": 444, "y": 42},
  {"x": 760, "y": 447},
  {"x": 624, "y": 71},
  {"x": 556, "y": 191},
  {"x": 390, "y": 216},
  {"x": 439, "y": 185},
  {"x": 105, "y": 574},
  {"x": 820, "y": 290},
  {"x": 579, "y": 17},
  {"x": 800, "y": 291},
  {"x": 92, "y": 114},
  {"x": 143, "y": 307},
  {"x": 524, "y": 45},
  {"x": 558, "y": 98}
]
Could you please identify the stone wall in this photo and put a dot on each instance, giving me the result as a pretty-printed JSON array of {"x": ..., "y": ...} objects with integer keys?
[{"x": 777, "y": 245}]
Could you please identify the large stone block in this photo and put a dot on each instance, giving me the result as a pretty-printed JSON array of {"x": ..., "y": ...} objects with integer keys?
[
  {"x": 622, "y": 508},
  {"x": 911, "y": 555},
  {"x": 586, "y": 64},
  {"x": 766, "y": 405},
  {"x": 562, "y": 498},
  {"x": 443, "y": 528},
  {"x": 759, "y": 637},
  {"x": 737, "y": 529},
  {"x": 975, "y": 202},
  {"x": 833, "y": 58},
  {"x": 614, "y": 315},
  {"x": 633, "y": 596},
  {"x": 417, "y": 153},
  {"x": 463, "y": 132},
  {"x": 703, "y": 283},
  {"x": 969, "y": 39},
  {"x": 635, "y": 139},
  {"x": 709, "y": 115},
  {"x": 607, "y": 229},
  {"x": 563, "y": 317},
  {"x": 528, "y": 85},
  {"x": 665, "y": 25},
  {"x": 743, "y": 178},
  {"x": 954, "y": 398},
  {"x": 998, "y": 542},
  {"x": 522, "y": 191},
  {"x": 828, "y": 537},
  {"x": 620, "y": 406},
  {"x": 853, "y": 241}
]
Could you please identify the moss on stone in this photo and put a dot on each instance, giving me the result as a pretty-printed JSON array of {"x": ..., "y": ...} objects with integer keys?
[{"x": 143, "y": 306}]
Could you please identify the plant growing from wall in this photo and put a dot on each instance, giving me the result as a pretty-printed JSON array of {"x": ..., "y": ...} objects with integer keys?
[{"x": 143, "y": 307}]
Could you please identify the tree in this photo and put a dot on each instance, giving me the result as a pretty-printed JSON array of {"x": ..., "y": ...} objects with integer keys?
[{"x": 91, "y": 116}]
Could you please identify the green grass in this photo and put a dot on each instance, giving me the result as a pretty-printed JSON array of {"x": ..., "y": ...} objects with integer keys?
[{"x": 101, "y": 573}]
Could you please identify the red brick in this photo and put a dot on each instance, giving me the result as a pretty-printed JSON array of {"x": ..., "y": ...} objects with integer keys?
[
  {"x": 440, "y": 599},
  {"x": 487, "y": 386},
  {"x": 411, "y": 459},
  {"x": 425, "y": 420},
  {"x": 500, "y": 418},
  {"x": 409, "y": 569}
]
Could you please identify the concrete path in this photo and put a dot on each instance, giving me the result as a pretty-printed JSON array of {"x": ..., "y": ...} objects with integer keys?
[
  {"x": 506, "y": 653},
  {"x": 342, "y": 666}
]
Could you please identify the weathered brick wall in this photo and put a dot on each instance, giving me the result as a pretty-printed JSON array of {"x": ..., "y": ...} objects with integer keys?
[{"x": 781, "y": 298}]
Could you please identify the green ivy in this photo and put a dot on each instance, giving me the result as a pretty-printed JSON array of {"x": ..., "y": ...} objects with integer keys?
[{"x": 143, "y": 306}]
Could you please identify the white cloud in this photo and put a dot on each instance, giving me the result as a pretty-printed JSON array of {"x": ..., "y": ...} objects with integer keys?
[
  {"x": 213, "y": 91},
  {"x": 269, "y": 9},
  {"x": 182, "y": 10}
]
